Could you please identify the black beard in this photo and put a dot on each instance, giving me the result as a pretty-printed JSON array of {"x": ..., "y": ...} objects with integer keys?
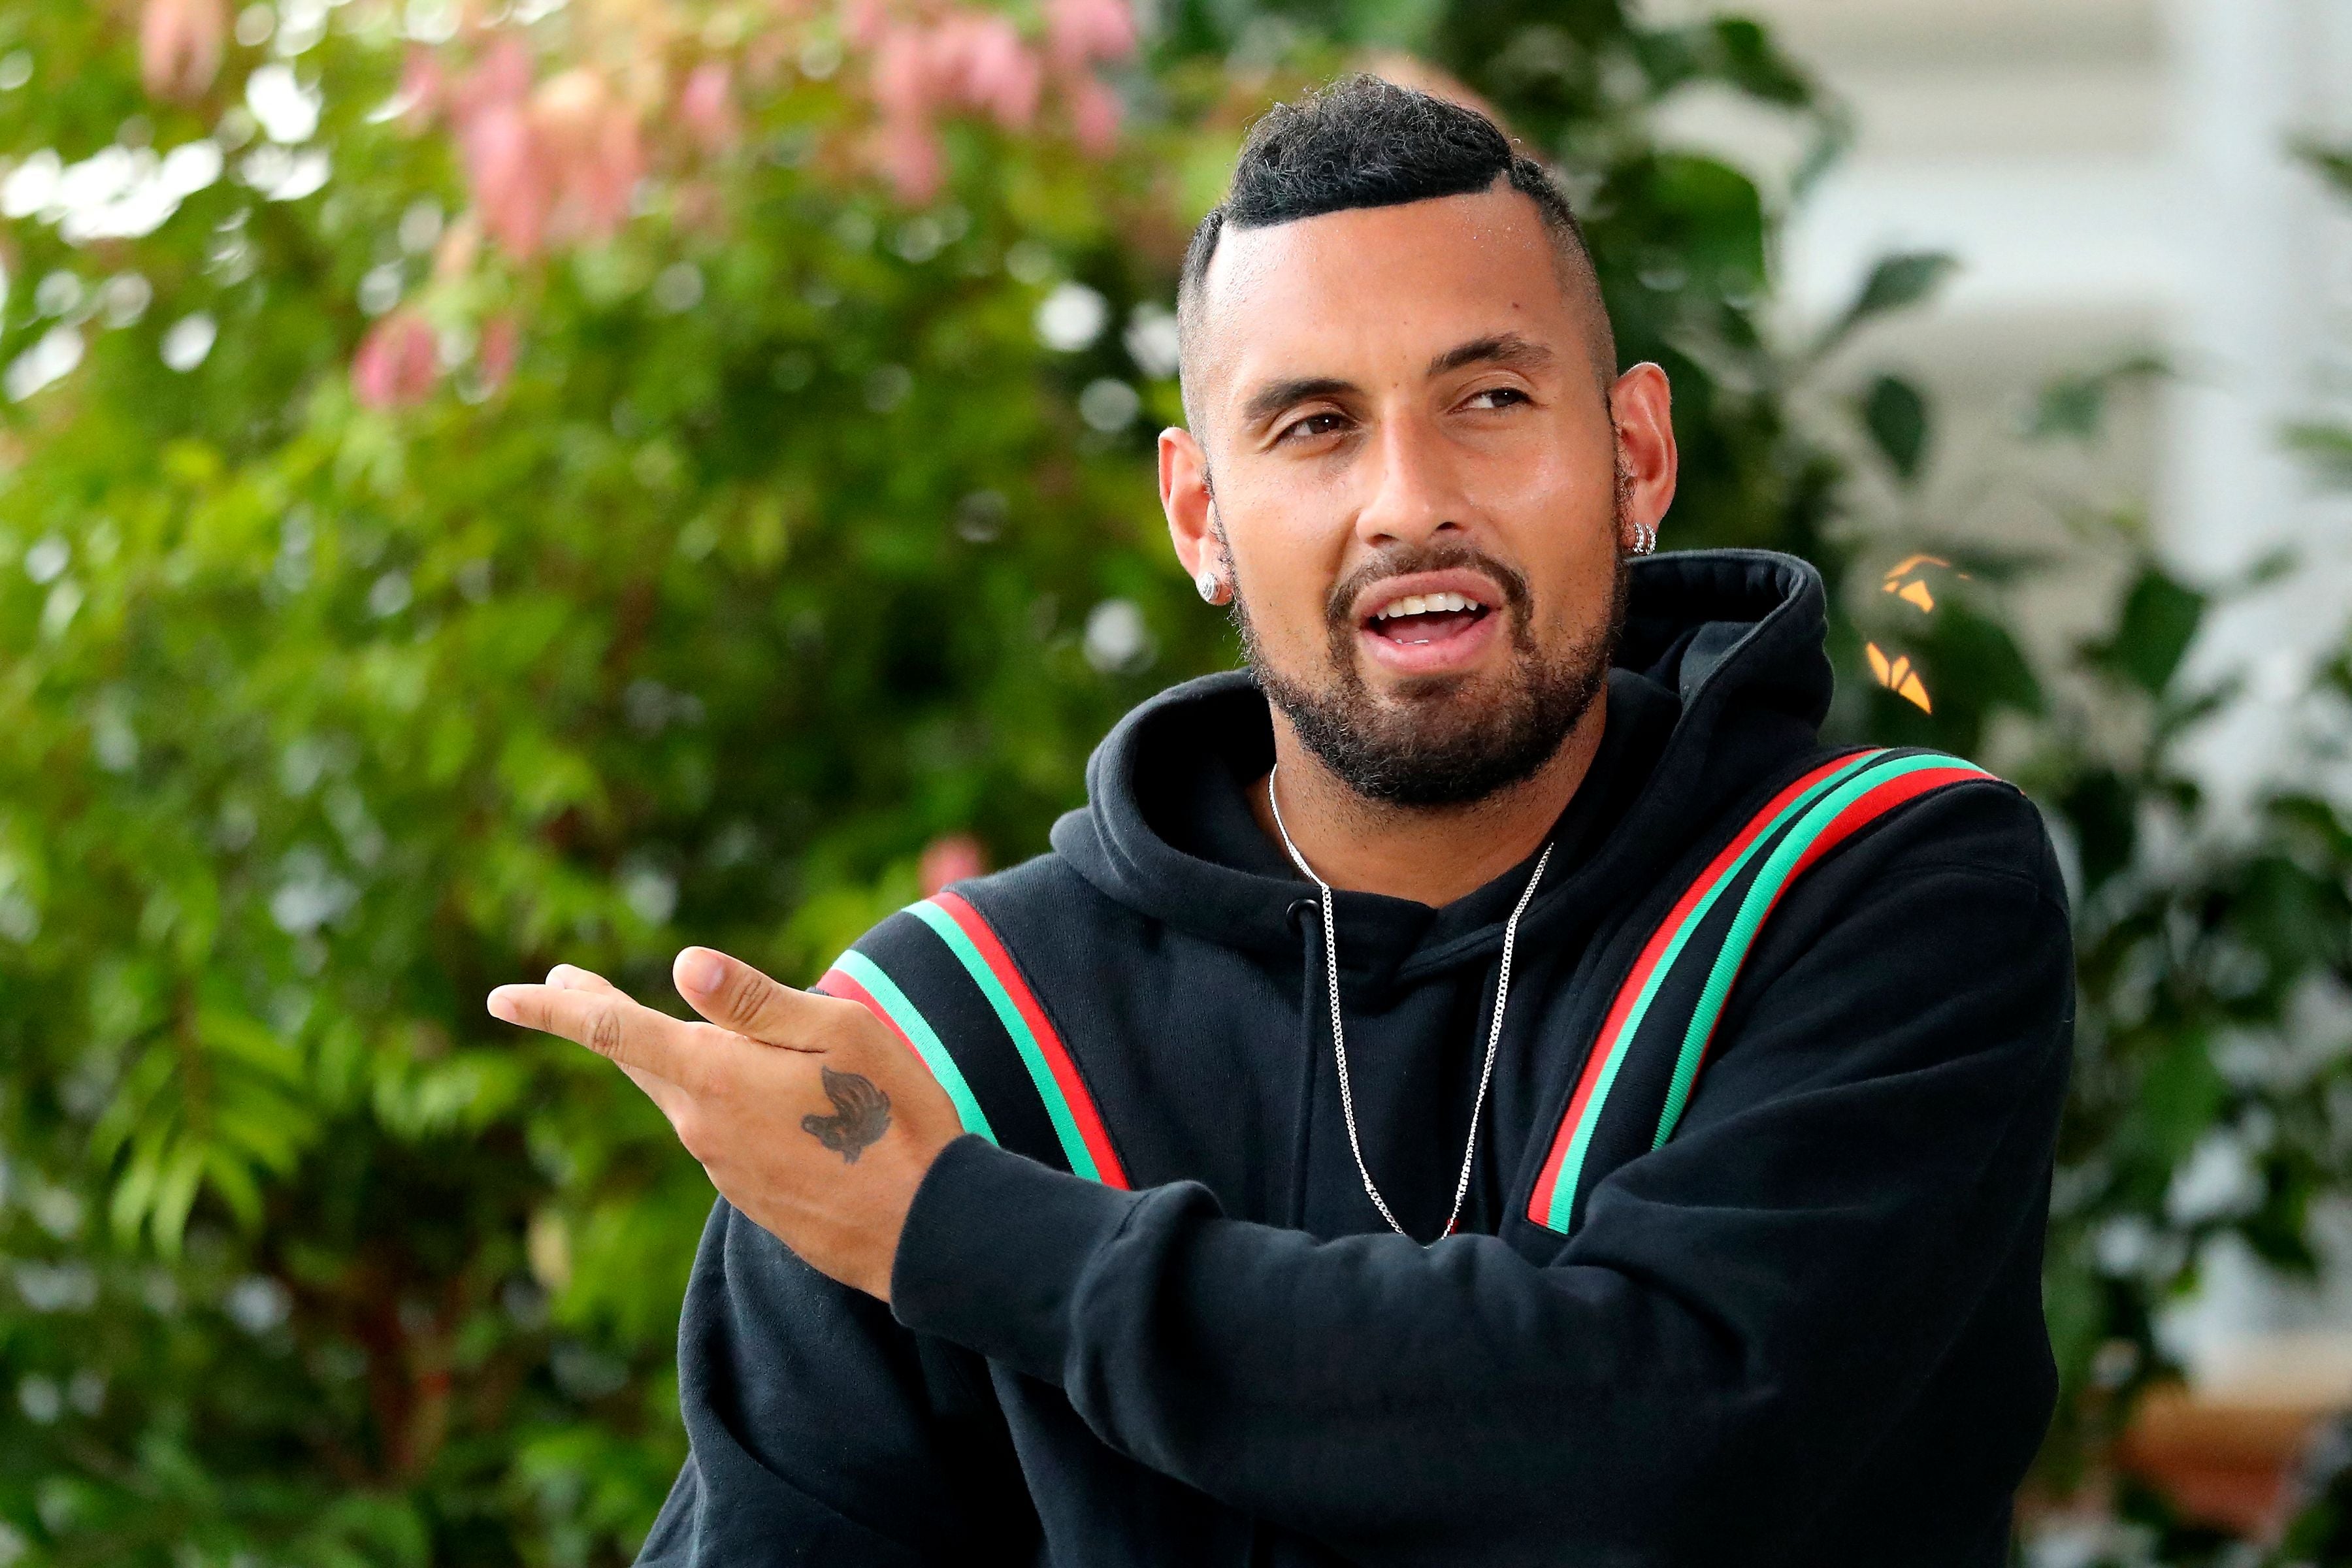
[{"x": 1433, "y": 749}]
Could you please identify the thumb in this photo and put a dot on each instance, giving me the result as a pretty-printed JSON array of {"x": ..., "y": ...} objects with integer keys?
[{"x": 734, "y": 996}]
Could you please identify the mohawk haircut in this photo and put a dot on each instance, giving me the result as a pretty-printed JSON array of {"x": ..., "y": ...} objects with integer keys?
[{"x": 1362, "y": 141}]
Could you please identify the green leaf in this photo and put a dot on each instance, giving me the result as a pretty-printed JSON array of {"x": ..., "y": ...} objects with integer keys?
[
  {"x": 2180, "y": 1094},
  {"x": 2334, "y": 163},
  {"x": 134, "y": 1193},
  {"x": 175, "y": 1195},
  {"x": 1707, "y": 216},
  {"x": 1895, "y": 283},
  {"x": 1747, "y": 59},
  {"x": 2327, "y": 448},
  {"x": 1894, "y": 412},
  {"x": 2105, "y": 813},
  {"x": 233, "y": 1181},
  {"x": 2160, "y": 620},
  {"x": 2075, "y": 406},
  {"x": 1983, "y": 654}
]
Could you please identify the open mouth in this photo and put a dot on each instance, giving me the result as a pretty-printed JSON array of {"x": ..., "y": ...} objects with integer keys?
[{"x": 1418, "y": 619}]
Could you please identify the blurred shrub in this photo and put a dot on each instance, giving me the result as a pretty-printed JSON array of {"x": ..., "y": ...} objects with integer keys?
[{"x": 432, "y": 573}]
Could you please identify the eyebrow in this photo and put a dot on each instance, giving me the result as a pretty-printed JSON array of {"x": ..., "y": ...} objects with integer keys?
[
  {"x": 1500, "y": 348},
  {"x": 1273, "y": 398}
]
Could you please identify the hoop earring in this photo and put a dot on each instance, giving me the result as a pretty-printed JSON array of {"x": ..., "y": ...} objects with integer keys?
[{"x": 1646, "y": 539}]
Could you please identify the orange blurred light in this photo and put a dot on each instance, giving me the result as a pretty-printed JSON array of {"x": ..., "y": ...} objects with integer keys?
[
  {"x": 1913, "y": 592},
  {"x": 1897, "y": 676},
  {"x": 1909, "y": 565}
]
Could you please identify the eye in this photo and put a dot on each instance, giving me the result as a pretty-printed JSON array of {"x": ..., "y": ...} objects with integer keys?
[
  {"x": 1496, "y": 397},
  {"x": 1328, "y": 423}
]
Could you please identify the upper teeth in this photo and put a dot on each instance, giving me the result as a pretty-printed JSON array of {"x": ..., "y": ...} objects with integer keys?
[{"x": 1424, "y": 605}]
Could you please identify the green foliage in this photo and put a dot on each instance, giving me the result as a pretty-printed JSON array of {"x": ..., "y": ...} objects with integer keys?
[
  {"x": 1895, "y": 414},
  {"x": 2332, "y": 164},
  {"x": 774, "y": 559},
  {"x": 2075, "y": 406},
  {"x": 2326, "y": 448},
  {"x": 1895, "y": 283},
  {"x": 2158, "y": 622}
]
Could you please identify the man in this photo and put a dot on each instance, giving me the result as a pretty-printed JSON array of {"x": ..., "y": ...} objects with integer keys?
[{"x": 1486, "y": 1087}]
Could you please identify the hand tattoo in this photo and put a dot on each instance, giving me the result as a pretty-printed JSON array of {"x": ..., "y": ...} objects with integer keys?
[{"x": 862, "y": 1114}]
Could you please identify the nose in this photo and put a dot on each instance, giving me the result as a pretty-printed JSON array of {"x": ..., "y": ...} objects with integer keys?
[{"x": 1412, "y": 497}]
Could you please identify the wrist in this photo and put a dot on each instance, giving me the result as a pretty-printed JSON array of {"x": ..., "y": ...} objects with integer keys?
[{"x": 995, "y": 1250}]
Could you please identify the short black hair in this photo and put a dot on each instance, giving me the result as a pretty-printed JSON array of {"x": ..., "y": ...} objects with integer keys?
[{"x": 1362, "y": 142}]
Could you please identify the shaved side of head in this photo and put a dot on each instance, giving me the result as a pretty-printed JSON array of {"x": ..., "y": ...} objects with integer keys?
[{"x": 1365, "y": 143}]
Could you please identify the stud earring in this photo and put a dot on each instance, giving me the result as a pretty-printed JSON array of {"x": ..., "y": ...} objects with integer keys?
[{"x": 1209, "y": 585}]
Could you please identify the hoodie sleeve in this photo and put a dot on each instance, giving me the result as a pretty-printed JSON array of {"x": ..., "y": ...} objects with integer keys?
[
  {"x": 1742, "y": 1315},
  {"x": 820, "y": 1431}
]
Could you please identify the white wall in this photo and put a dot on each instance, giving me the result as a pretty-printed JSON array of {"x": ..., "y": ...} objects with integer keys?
[
  {"x": 2116, "y": 174},
  {"x": 2113, "y": 175}
]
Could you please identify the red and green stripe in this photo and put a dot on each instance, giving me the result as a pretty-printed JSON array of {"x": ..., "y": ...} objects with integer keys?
[
  {"x": 1085, "y": 1143},
  {"x": 1827, "y": 806},
  {"x": 1078, "y": 1123},
  {"x": 1555, "y": 1195},
  {"x": 1844, "y": 811},
  {"x": 859, "y": 979}
]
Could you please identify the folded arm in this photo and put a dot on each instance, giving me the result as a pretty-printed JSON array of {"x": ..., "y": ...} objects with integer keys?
[
  {"x": 1741, "y": 1314},
  {"x": 823, "y": 1433}
]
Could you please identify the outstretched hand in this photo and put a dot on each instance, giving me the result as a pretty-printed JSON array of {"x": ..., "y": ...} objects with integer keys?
[{"x": 808, "y": 1115}]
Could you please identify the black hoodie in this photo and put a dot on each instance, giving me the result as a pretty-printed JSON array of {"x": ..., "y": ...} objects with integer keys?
[{"x": 1785, "y": 1309}]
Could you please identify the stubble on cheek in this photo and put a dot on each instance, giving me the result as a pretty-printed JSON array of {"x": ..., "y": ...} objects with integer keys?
[{"x": 1443, "y": 740}]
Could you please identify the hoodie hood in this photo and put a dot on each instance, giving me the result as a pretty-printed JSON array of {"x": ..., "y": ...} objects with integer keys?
[{"x": 1721, "y": 678}]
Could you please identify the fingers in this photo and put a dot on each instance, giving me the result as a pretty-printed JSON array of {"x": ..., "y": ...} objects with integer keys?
[
  {"x": 611, "y": 1025},
  {"x": 571, "y": 977},
  {"x": 734, "y": 996}
]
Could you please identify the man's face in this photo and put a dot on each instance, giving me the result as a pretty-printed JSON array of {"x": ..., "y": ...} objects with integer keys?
[{"x": 1417, "y": 484}]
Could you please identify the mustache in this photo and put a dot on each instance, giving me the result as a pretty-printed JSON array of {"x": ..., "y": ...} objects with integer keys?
[{"x": 1339, "y": 610}]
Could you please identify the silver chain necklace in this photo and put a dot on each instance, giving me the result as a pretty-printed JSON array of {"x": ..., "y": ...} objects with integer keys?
[{"x": 1339, "y": 1043}]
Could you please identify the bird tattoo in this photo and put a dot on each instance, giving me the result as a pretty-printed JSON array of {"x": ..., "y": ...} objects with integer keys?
[{"x": 861, "y": 1114}]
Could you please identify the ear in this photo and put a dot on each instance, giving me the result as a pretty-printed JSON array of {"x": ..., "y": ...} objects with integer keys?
[
  {"x": 1641, "y": 404},
  {"x": 1192, "y": 512}
]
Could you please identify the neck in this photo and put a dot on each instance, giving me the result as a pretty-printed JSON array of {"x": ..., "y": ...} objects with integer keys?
[{"x": 1432, "y": 855}]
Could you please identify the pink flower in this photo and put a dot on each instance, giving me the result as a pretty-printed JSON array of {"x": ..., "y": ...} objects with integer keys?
[
  {"x": 911, "y": 157},
  {"x": 180, "y": 44},
  {"x": 1093, "y": 116},
  {"x": 904, "y": 82},
  {"x": 587, "y": 149},
  {"x": 509, "y": 179},
  {"x": 502, "y": 77},
  {"x": 555, "y": 163},
  {"x": 706, "y": 107},
  {"x": 494, "y": 137},
  {"x": 951, "y": 858},
  {"x": 501, "y": 342},
  {"x": 1080, "y": 32},
  {"x": 930, "y": 57},
  {"x": 397, "y": 362},
  {"x": 990, "y": 67},
  {"x": 863, "y": 22},
  {"x": 423, "y": 86}
]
